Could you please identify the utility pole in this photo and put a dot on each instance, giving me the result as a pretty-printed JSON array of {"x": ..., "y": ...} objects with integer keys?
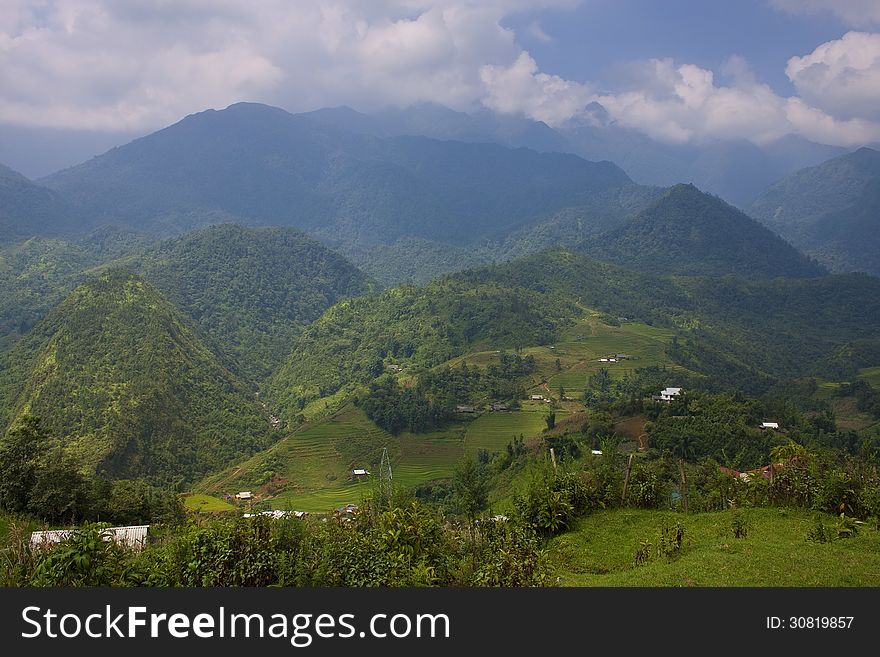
[
  {"x": 629, "y": 466},
  {"x": 385, "y": 488}
]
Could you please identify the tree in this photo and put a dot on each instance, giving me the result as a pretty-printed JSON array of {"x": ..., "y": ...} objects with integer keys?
[
  {"x": 20, "y": 451},
  {"x": 60, "y": 492},
  {"x": 550, "y": 419},
  {"x": 469, "y": 488}
]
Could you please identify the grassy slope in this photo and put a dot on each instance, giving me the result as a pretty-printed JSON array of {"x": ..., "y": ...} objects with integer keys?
[
  {"x": 600, "y": 551},
  {"x": 309, "y": 469}
]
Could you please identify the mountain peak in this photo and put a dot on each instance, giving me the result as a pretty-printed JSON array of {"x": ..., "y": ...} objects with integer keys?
[
  {"x": 688, "y": 232},
  {"x": 122, "y": 378}
]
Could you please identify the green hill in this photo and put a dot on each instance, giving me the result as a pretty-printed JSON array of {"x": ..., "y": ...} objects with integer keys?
[
  {"x": 124, "y": 382},
  {"x": 35, "y": 275},
  {"x": 744, "y": 334},
  {"x": 689, "y": 233},
  {"x": 251, "y": 290},
  {"x": 830, "y": 211},
  {"x": 411, "y": 327}
]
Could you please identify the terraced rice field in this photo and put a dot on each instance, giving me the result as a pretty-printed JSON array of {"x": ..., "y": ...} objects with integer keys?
[
  {"x": 310, "y": 470},
  {"x": 493, "y": 431}
]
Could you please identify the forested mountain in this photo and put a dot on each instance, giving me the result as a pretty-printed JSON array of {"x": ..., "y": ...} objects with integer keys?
[
  {"x": 123, "y": 381},
  {"x": 266, "y": 166},
  {"x": 27, "y": 208},
  {"x": 405, "y": 208},
  {"x": 735, "y": 170},
  {"x": 830, "y": 211},
  {"x": 35, "y": 275},
  {"x": 744, "y": 332},
  {"x": 439, "y": 122},
  {"x": 251, "y": 290},
  {"x": 687, "y": 232}
]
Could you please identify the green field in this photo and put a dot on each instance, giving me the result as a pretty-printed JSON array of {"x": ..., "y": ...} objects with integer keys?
[
  {"x": 601, "y": 548},
  {"x": 493, "y": 431},
  {"x": 206, "y": 503},
  {"x": 581, "y": 346},
  {"x": 310, "y": 469}
]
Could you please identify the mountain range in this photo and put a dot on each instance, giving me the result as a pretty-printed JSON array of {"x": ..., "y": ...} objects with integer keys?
[{"x": 160, "y": 304}]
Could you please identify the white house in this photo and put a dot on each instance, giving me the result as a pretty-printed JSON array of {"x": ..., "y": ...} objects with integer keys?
[
  {"x": 668, "y": 394},
  {"x": 770, "y": 425}
]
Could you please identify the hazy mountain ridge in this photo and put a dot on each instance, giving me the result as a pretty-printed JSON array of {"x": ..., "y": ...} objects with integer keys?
[{"x": 831, "y": 211}]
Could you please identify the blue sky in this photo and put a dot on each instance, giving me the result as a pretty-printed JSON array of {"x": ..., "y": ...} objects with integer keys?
[
  {"x": 680, "y": 71},
  {"x": 591, "y": 41}
]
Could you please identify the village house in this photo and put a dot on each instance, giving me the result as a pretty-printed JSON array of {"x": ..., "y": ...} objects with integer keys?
[
  {"x": 133, "y": 537},
  {"x": 667, "y": 394},
  {"x": 463, "y": 408},
  {"x": 770, "y": 425}
]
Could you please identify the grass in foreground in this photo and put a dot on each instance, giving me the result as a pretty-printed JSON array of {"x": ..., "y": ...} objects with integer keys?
[{"x": 600, "y": 551}]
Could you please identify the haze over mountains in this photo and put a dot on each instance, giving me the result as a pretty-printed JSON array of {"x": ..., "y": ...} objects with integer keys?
[
  {"x": 405, "y": 208},
  {"x": 830, "y": 211}
]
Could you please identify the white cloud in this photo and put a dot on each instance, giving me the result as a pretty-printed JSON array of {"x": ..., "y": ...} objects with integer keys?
[
  {"x": 537, "y": 32},
  {"x": 854, "y": 13},
  {"x": 841, "y": 76},
  {"x": 142, "y": 64},
  {"x": 104, "y": 64},
  {"x": 684, "y": 103},
  {"x": 521, "y": 89}
]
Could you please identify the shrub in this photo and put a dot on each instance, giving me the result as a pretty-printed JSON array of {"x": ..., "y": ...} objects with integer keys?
[
  {"x": 671, "y": 538},
  {"x": 738, "y": 526}
]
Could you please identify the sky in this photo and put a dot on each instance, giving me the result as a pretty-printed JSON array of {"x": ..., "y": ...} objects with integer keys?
[{"x": 80, "y": 75}]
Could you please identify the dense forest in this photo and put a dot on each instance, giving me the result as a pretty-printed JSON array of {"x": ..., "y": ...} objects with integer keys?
[{"x": 122, "y": 380}]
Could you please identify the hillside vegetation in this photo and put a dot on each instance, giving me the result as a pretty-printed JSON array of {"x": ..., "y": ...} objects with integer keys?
[
  {"x": 122, "y": 380},
  {"x": 689, "y": 233},
  {"x": 250, "y": 290}
]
